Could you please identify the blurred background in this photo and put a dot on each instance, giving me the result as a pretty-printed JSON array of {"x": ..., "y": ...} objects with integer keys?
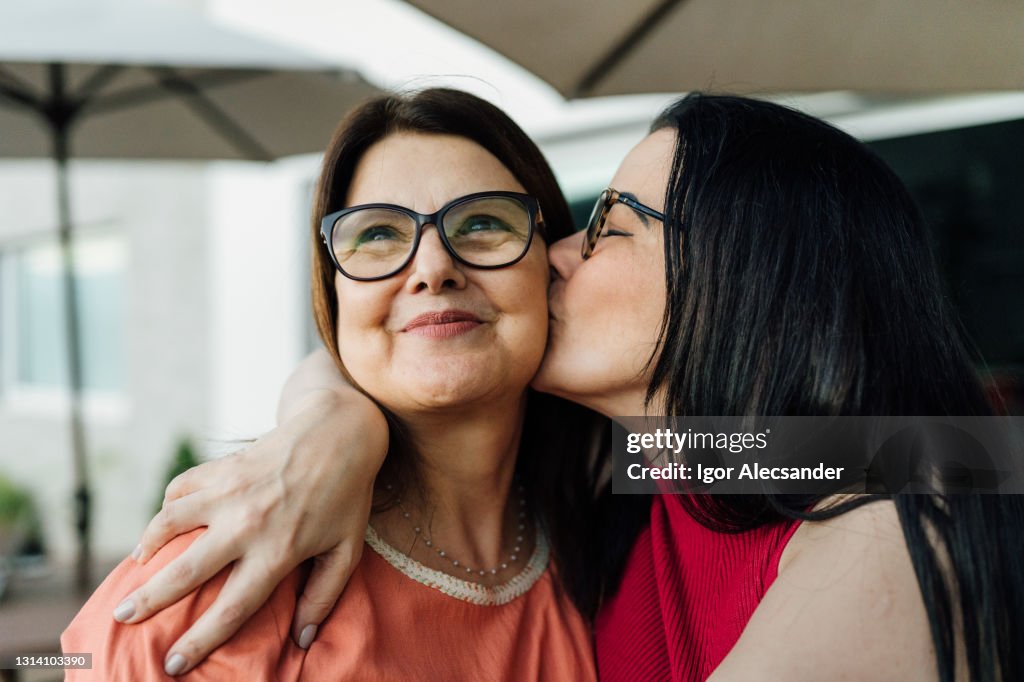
[{"x": 157, "y": 163}]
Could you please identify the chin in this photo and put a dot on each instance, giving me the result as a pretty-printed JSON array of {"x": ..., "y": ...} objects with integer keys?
[
  {"x": 444, "y": 390},
  {"x": 456, "y": 389},
  {"x": 553, "y": 378},
  {"x": 582, "y": 380}
]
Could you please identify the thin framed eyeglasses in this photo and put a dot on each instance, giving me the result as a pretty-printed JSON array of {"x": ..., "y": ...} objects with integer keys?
[
  {"x": 605, "y": 202},
  {"x": 486, "y": 230}
]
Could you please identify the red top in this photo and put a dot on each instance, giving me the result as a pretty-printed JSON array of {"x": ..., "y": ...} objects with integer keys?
[{"x": 686, "y": 595}]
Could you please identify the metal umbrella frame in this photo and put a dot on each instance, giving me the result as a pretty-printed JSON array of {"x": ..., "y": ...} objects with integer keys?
[{"x": 74, "y": 78}]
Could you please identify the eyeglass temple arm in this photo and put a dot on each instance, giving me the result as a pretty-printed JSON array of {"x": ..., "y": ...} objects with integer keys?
[{"x": 637, "y": 206}]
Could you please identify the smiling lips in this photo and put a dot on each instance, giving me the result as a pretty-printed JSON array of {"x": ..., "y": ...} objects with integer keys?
[{"x": 443, "y": 324}]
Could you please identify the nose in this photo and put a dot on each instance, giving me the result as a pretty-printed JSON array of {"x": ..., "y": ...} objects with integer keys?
[
  {"x": 564, "y": 255},
  {"x": 433, "y": 269}
]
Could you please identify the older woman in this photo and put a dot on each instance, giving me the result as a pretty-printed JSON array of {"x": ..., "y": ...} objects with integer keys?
[
  {"x": 750, "y": 260},
  {"x": 430, "y": 290}
]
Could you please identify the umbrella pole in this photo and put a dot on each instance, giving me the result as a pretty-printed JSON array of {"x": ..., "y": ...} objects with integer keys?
[{"x": 60, "y": 119}]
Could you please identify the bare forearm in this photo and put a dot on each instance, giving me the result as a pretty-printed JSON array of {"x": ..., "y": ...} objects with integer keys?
[
  {"x": 318, "y": 379},
  {"x": 302, "y": 490}
]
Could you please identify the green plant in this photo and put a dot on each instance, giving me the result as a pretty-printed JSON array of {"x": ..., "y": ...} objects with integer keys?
[
  {"x": 20, "y": 525},
  {"x": 184, "y": 459}
]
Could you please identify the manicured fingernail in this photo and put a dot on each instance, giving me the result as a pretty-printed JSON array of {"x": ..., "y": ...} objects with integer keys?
[
  {"x": 124, "y": 610},
  {"x": 175, "y": 664},
  {"x": 307, "y": 635},
  {"x": 137, "y": 552}
]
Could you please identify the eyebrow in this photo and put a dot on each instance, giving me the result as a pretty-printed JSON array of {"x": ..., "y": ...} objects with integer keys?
[{"x": 640, "y": 214}]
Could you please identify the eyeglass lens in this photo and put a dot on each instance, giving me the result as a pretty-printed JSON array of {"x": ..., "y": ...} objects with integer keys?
[
  {"x": 487, "y": 232},
  {"x": 595, "y": 223}
]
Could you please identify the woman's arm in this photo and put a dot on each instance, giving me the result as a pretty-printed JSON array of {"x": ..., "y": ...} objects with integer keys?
[
  {"x": 846, "y": 605},
  {"x": 137, "y": 653},
  {"x": 301, "y": 491},
  {"x": 318, "y": 375}
]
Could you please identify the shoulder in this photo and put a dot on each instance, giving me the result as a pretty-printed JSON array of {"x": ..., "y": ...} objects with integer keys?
[
  {"x": 846, "y": 603},
  {"x": 136, "y": 652},
  {"x": 873, "y": 528},
  {"x": 122, "y": 652}
]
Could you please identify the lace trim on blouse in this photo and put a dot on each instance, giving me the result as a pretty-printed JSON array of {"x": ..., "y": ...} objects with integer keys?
[{"x": 474, "y": 593}]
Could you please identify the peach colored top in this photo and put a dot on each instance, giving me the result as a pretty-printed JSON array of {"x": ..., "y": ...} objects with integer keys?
[{"x": 397, "y": 620}]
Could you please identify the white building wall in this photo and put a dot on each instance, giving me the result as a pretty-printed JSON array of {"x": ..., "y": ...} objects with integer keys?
[
  {"x": 160, "y": 211},
  {"x": 259, "y": 291}
]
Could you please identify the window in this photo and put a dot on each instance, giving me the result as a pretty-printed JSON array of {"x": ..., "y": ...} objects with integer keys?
[{"x": 32, "y": 326}]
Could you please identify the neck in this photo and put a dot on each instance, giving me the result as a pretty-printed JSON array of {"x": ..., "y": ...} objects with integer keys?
[
  {"x": 465, "y": 466},
  {"x": 625, "y": 402}
]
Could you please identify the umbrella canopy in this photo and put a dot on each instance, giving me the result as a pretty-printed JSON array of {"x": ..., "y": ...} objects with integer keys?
[
  {"x": 141, "y": 80},
  {"x": 609, "y": 47},
  {"x": 129, "y": 79}
]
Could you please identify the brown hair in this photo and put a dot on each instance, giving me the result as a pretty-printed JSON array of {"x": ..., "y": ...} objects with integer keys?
[
  {"x": 436, "y": 111},
  {"x": 553, "y": 462}
]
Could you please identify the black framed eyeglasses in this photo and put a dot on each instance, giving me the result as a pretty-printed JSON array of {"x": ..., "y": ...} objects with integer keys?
[
  {"x": 484, "y": 230},
  {"x": 605, "y": 201}
]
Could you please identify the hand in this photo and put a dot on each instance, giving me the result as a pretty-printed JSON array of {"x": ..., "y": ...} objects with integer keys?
[{"x": 303, "y": 490}]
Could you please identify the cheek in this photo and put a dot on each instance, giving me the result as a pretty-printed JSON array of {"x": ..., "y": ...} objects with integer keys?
[
  {"x": 525, "y": 299},
  {"x": 605, "y": 298},
  {"x": 645, "y": 306},
  {"x": 614, "y": 311},
  {"x": 532, "y": 336},
  {"x": 363, "y": 309}
]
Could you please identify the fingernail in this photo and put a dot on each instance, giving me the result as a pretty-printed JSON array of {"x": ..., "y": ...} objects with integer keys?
[
  {"x": 175, "y": 664},
  {"x": 124, "y": 610},
  {"x": 307, "y": 635},
  {"x": 137, "y": 552}
]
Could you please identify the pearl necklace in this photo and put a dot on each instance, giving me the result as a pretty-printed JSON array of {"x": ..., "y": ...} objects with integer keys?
[{"x": 513, "y": 556}]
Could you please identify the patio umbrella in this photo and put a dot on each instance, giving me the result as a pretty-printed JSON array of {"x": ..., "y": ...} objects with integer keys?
[
  {"x": 609, "y": 47},
  {"x": 129, "y": 79}
]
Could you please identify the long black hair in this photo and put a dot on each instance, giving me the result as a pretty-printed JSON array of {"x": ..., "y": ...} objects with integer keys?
[{"x": 800, "y": 282}]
